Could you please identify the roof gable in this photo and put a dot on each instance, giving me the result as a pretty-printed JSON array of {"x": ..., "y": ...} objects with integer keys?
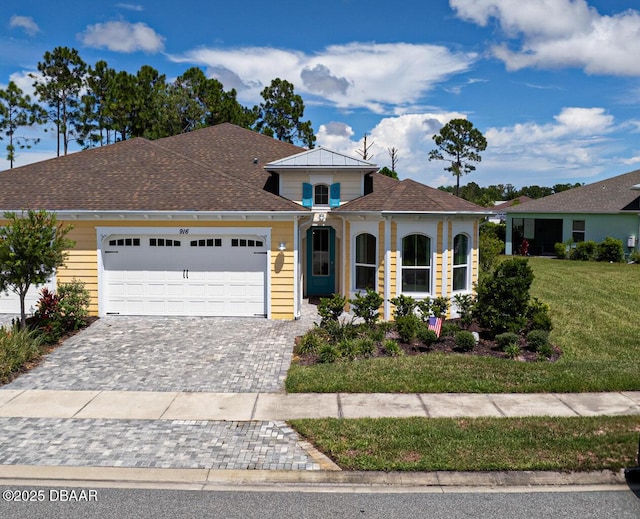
[{"x": 320, "y": 158}]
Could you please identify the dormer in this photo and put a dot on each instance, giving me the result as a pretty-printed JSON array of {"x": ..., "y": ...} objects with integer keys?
[{"x": 321, "y": 179}]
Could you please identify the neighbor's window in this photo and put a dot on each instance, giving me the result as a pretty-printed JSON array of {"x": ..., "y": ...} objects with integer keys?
[
  {"x": 460, "y": 261},
  {"x": 416, "y": 263},
  {"x": 321, "y": 194},
  {"x": 578, "y": 230},
  {"x": 365, "y": 261}
]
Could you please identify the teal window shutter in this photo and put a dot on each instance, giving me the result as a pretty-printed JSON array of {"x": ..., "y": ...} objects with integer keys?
[
  {"x": 334, "y": 195},
  {"x": 307, "y": 195}
]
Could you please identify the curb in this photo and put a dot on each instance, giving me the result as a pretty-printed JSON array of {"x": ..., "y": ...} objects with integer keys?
[{"x": 208, "y": 479}]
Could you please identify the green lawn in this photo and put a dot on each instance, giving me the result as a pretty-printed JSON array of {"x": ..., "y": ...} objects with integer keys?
[
  {"x": 478, "y": 444},
  {"x": 596, "y": 313}
]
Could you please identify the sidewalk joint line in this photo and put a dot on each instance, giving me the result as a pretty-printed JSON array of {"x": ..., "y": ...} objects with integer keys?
[
  {"x": 568, "y": 405},
  {"x": 557, "y": 397},
  {"x": 493, "y": 403},
  {"x": 424, "y": 406},
  {"x": 340, "y": 413},
  {"x": 255, "y": 406},
  {"x": 86, "y": 404},
  {"x": 161, "y": 417}
]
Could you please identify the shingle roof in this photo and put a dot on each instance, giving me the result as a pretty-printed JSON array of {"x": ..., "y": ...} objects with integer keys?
[
  {"x": 409, "y": 196},
  {"x": 612, "y": 195},
  {"x": 508, "y": 203},
  {"x": 232, "y": 149},
  {"x": 206, "y": 170}
]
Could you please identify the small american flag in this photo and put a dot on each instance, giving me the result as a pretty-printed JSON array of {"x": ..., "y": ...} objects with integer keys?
[{"x": 435, "y": 324}]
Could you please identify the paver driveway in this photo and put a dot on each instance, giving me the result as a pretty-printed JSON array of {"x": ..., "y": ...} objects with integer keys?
[{"x": 215, "y": 354}]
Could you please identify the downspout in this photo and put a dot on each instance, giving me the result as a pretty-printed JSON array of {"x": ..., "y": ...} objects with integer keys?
[{"x": 387, "y": 268}]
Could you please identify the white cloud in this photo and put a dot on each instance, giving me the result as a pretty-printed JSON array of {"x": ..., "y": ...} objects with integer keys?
[
  {"x": 378, "y": 77},
  {"x": 26, "y": 23},
  {"x": 559, "y": 33},
  {"x": 131, "y": 7},
  {"x": 122, "y": 37},
  {"x": 577, "y": 144}
]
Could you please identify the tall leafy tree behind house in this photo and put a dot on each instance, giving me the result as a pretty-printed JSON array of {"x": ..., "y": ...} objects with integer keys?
[
  {"x": 281, "y": 114},
  {"x": 17, "y": 111},
  {"x": 61, "y": 78},
  {"x": 459, "y": 143},
  {"x": 96, "y": 128},
  {"x": 32, "y": 247},
  {"x": 148, "y": 105}
]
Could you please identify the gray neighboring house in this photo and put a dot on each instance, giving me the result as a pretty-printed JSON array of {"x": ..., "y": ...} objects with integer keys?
[{"x": 593, "y": 212}]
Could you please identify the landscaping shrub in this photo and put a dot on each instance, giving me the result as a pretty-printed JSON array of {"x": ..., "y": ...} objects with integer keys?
[
  {"x": 465, "y": 303},
  {"x": 545, "y": 351},
  {"x": 73, "y": 305},
  {"x": 513, "y": 351},
  {"x": 492, "y": 241},
  {"x": 538, "y": 315},
  {"x": 465, "y": 340},
  {"x": 634, "y": 257},
  {"x": 503, "y": 297},
  {"x": 17, "y": 347},
  {"x": 310, "y": 342},
  {"x": 61, "y": 312},
  {"x": 584, "y": 251},
  {"x": 392, "y": 348},
  {"x": 611, "y": 250},
  {"x": 424, "y": 306},
  {"x": 404, "y": 305},
  {"x": 328, "y": 353},
  {"x": 337, "y": 331},
  {"x": 367, "y": 306},
  {"x": 349, "y": 349},
  {"x": 506, "y": 339},
  {"x": 561, "y": 250},
  {"x": 439, "y": 307},
  {"x": 407, "y": 327},
  {"x": 331, "y": 308},
  {"x": 449, "y": 329},
  {"x": 428, "y": 337},
  {"x": 537, "y": 339},
  {"x": 366, "y": 346}
]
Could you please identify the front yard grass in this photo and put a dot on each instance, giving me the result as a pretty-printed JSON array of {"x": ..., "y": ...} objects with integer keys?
[
  {"x": 595, "y": 312},
  {"x": 476, "y": 444}
]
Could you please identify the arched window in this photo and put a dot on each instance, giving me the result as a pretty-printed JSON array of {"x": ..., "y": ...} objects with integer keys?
[
  {"x": 321, "y": 194},
  {"x": 416, "y": 263},
  {"x": 365, "y": 261},
  {"x": 460, "y": 262}
]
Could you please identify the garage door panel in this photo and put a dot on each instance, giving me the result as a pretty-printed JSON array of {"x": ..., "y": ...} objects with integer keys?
[{"x": 204, "y": 280}]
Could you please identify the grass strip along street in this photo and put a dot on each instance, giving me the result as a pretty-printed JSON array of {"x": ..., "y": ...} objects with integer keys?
[{"x": 476, "y": 444}]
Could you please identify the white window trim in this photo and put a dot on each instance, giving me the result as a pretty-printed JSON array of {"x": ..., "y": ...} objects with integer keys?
[
  {"x": 467, "y": 264},
  {"x": 355, "y": 264},
  {"x": 400, "y": 268},
  {"x": 313, "y": 196}
]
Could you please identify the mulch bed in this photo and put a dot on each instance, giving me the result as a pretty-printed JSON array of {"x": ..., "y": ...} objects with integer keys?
[{"x": 485, "y": 348}]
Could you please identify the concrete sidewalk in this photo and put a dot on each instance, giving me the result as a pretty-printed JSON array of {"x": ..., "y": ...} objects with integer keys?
[{"x": 149, "y": 405}]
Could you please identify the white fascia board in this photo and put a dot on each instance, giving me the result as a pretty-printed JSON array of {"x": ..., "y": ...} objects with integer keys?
[{"x": 179, "y": 215}]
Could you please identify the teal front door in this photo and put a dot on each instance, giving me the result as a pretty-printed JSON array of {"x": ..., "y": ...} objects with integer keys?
[{"x": 321, "y": 261}]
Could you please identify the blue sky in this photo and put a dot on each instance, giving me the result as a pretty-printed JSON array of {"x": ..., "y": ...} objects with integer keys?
[{"x": 554, "y": 85}]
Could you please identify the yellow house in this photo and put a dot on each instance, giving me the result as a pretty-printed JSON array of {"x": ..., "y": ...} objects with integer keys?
[{"x": 224, "y": 221}]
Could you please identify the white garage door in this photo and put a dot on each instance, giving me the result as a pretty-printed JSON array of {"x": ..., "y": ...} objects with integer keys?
[
  {"x": 185, "y": 275},
  {"x": 10, "y": 302}
]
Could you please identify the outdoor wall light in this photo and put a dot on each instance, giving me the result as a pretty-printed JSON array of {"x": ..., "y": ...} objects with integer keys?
[{"x": 282, "y": 246}]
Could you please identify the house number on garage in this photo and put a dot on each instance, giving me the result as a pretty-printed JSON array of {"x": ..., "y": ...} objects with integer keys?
[{"x": 184, "y": 231}]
